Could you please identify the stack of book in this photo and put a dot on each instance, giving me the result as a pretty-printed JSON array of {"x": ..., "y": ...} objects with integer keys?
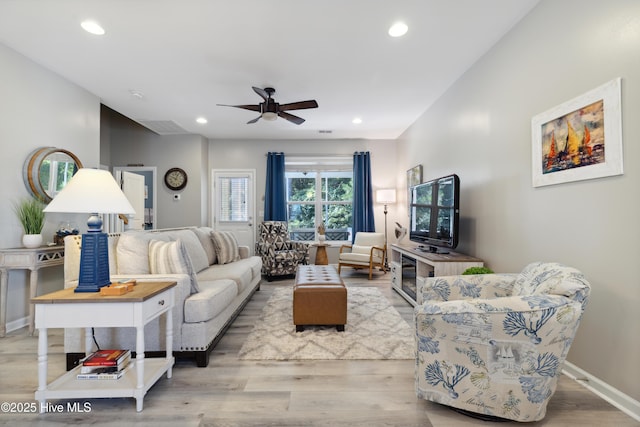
[{"x": 104, "y": 365}]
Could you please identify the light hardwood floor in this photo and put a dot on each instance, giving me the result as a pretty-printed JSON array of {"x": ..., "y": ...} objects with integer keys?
[{"x": 230, "y": 392}]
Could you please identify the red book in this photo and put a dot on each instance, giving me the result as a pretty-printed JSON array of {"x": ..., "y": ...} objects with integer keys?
[{"x": 106, "y": 358}]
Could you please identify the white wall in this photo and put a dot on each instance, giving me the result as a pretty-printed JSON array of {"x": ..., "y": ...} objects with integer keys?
[
  {"x": 38, "y": 108},
  {"x": 481, "y": 130}
]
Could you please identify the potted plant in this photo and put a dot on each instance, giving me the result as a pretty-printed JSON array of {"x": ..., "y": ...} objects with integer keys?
[
  {"x": 477, "y": 270},
  {"x": 30, "y": 212}
]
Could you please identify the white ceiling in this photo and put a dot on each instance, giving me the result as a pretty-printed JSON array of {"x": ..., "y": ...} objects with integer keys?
[{"x": 186, "y": 56}]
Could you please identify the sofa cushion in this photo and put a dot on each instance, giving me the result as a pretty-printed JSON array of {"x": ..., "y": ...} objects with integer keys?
[
  {"x": 132, "y": 251},
  {"x": 204, "y": 235},
  {"x": 226, "y": 246},
  {"x": 214, "y": 297},
  {"x": 243, "y": 272},
  {"x": 193, "y": 246},
  {"x": 171, "y": 258}
]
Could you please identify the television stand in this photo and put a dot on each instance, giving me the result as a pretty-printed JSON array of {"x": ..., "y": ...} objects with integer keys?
[
  {"x": 432, "y": 249},
  {"x": 412, "y": 265}
]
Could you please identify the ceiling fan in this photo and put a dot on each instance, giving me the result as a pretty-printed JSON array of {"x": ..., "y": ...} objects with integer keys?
[{"x": 270, "y": 109}]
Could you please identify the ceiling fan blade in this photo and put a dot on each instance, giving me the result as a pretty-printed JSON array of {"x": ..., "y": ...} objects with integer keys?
[
  {"x": 263, "y": 93},
  {"x": 251, "y": 107},
  {"x": 302, "y": 105},
  {"x": 293, "y": 119},
  {"x": 254, "y": 120}
]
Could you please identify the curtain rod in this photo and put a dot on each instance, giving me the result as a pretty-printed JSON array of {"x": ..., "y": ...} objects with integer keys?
[{"x": 313, "y": 155}]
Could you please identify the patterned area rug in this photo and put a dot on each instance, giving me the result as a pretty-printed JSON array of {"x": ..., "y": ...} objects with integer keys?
[{"x": 374, "y": 330}]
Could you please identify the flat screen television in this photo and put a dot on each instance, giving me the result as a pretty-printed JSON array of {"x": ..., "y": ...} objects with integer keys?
[{"x": 434, "y": 214}]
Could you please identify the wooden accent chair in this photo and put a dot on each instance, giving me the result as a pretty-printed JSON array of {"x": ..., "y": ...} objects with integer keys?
[{"x": 368, "y": 251}]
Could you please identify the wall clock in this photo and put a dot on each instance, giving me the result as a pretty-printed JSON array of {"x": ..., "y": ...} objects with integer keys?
[{"x": 175, "y": 179}]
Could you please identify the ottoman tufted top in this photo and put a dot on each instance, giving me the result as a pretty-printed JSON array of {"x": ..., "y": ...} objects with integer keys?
[{"x": 317, "y": 275}]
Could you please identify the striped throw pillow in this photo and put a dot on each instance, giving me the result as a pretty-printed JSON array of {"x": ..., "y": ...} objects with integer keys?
[
  {"x": 171, "y": 258},
  {"x": 226, "y": 246}
]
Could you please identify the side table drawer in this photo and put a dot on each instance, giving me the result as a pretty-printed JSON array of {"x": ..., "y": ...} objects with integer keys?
[{"x": 157, "y": 304}]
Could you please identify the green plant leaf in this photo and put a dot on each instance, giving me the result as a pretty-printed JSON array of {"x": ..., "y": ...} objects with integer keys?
[
  {"x": 30, "y": 212},
  {"x": 477, "y": 270}
]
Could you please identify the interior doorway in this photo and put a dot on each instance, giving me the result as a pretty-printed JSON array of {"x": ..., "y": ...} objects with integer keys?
[{"x": 150, "y": 197}]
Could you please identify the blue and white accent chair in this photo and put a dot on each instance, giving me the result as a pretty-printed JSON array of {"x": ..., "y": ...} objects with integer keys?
[{"x": 494, "y": 344}]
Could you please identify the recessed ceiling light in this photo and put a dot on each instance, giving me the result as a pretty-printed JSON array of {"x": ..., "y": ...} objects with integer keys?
[
  {"x": 92, "y": 27},
  {"x": 201, "y": 120},
  {"x": 398, "y": 29},
  {"x": 356, "y": 121}
]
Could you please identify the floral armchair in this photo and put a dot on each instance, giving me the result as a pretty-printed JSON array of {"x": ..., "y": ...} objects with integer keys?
[
  {"x": 494, "y": 344},
  {"x": 280, "y": 256}
]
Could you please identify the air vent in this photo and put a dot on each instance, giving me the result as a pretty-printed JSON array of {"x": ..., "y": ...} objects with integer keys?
[{"x": 163, "y": 127}]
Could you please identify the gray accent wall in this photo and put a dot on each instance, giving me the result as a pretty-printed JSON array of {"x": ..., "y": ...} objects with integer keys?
[{"x": 481, "y": 130}]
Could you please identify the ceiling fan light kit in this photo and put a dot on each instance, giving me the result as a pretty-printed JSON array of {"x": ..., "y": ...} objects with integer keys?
[{"x": 270, "y": 110}]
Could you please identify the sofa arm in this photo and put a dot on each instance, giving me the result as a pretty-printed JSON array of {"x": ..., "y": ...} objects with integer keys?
[{"x": 449, "y": 288}]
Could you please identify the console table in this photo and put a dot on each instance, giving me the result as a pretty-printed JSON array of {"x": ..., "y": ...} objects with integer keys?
[
  {"x": 25, "y": 259},
  {"x": 68, "y": 309},
  {"x": 410, "y": 267}
]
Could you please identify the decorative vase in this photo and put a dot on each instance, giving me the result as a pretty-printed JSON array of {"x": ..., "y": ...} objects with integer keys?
[{"x": 32, "y": 240}]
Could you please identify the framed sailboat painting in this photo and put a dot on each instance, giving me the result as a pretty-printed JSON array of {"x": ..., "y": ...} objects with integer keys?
[{"x": 579, "y": 139}]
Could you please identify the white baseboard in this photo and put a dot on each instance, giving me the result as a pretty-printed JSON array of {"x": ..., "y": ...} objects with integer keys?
[
  {"x": 17, "y": 324},
  {"x": 625, "y": 403}
]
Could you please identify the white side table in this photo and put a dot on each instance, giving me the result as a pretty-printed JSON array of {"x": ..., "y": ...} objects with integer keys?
[
  {"x": 25, "y": 259},
  {"x": 67, "y": 309}
]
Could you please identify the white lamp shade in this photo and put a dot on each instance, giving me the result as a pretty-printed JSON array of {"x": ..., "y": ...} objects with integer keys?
[
  {"x": 91, "y": 191},
  {"x": 386, "y": 196}
]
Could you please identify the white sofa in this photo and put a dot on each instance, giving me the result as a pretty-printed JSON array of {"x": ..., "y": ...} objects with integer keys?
[{"x": 206, "y": 302}]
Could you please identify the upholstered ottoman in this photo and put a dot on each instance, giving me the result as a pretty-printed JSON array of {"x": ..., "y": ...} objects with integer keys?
[{"x": 319, "y": 297}]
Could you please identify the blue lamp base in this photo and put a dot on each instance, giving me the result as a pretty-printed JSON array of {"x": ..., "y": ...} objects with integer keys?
[{"x": 94, "y": 262}]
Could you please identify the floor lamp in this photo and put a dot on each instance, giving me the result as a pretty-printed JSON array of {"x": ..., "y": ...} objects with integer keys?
[{"x": 386, "y": 196}]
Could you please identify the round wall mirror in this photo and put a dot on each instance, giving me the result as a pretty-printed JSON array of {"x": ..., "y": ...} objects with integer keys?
[{"x": 47, "y": 170}]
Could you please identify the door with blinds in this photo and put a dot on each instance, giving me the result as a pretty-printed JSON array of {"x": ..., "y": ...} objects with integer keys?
[{"x": 233, "y": 204}]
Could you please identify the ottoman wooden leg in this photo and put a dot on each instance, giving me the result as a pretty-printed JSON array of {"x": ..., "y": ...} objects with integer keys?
[
  {"x": 340, "y": 328},
  {"x": 299, "y": 328}
]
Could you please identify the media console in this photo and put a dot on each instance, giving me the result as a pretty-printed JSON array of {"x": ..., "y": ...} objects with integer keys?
[{"x": 411, "y": 266}]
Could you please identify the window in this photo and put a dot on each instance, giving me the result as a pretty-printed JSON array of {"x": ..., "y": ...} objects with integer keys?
[
  {"x": 317, "y": 197},
  {"x": 233, "y": 199}
]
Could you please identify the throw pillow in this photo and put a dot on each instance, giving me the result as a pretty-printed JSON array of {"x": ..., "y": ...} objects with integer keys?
[
  {"x": 226, "y": 246},
  {"x": 132, "y": 251},
  {"x": 204, "y": 235},
  {"x": 193, "y": 246},
  {"x": 171, "y": 258}
]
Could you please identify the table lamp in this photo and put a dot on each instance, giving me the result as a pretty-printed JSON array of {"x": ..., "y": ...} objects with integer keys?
[
  {"x": 386, "y": 196},
  {"x": 95, "y": 192}
]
